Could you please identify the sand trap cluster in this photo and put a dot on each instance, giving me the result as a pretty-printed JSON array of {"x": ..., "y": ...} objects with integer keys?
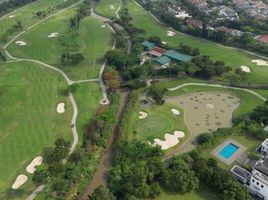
[
  {"x": 61, "y": 108},
  {"x": 143, "y": 115},
  {"x": 112, "y": 7},
  {"x": 170, "y": 33},
  {"x": 21, "y": 179},
  {"x": 245, "y": 69},
  {"x": 266, "y": 128},
  {"x": 260, "y": 62},
  {"x": 12, "y": 16},
  {"x": 21, "y": 43},
  {"x": 170, "y": 140},
  {"x": 175, "y": 111},
  {"x": 52, "y": 35},
  {"x": 35, "y": 162},
  {"x": 210, "y": 106}
]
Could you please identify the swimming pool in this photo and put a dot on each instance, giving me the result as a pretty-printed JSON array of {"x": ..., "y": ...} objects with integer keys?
[{"x": 228, "y": 150}]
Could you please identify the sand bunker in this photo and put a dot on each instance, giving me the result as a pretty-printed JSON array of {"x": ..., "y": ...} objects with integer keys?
[
  {"x": 245, "y": 69},
  {"x": 21, "y": 43},
  {"x": 175, "y": 111},
  {"x": 103, "y": 26},
  {"x": 60, "y": 108},
  {"x": 12, "y": 16},
  {"x": 143, "y": 115},
  {"x": 35, "y": 162},
  {"x": 260, "y": 62},
  {"x": 21, "y": 179},
  {"x": 163, "y": 42},
  {"x": 170, "y": 33},
  {"x": 210, "y": 106},
  {"x": 170, "y": 140},
  {"x": 52, "y": 35},
  {"x": 112, "y": 7}
]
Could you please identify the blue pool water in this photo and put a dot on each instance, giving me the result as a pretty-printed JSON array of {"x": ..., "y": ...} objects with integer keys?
[{"x": 228, "y": 151}]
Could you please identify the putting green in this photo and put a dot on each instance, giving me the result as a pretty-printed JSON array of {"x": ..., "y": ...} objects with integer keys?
[
  {"x": 91, "y": 40},
  {"x": 29, "y": 122},
  {"x": 108, "y": 8},
  {"x": 160, "y": 120},
  {"x": 232, "y": 57}
]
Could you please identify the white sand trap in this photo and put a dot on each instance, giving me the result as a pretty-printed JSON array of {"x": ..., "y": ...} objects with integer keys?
[
  {"x": 260, "y": 62},
  {"x": 170, "y": 33},
  {"x": 52, "y": 35},
  {"x": 12, "y": 16},
  {"x": 163, "y": 42},
  {"x": 103, "y": 26},
  {"x": 266, "y": 128},
  {"x": 35, "y": 162},
  {"x": 60, "y": 108},
  {"x": 112, "y": 7},
  {"x": 245, "y": 69},
  {"x": 175, "y": 111},
  {"x": 170, "y": 140},
  {"x": 21, "y": 179},
  {"x": 143, "y": 115},
  {"x": 21, "y": 43},
  {"x": 210, "y": 106}
]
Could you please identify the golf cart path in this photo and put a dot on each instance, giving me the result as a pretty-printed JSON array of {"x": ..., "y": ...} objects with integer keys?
[
  {"x": 69, "y": 82},
  {"x": 187, "y": 144}
]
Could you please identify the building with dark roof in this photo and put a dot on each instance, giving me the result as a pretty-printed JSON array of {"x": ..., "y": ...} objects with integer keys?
[
  {"x": 163, "y": 60},
  {"x": 174, "y": 55},
  {"x": 148, "y": 45}
]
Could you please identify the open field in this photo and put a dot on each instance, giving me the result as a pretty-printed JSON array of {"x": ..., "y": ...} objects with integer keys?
[
  {"x": 202, "y": 194},
  {"x": 108, "y": 8},
  {"x": 87, "y": 96},
  {"x": 29, "y": 95},
  {"x": 231, "y": 57},
  {"x": 25, "y": 14},
  {"x": 91, "y": 40}
]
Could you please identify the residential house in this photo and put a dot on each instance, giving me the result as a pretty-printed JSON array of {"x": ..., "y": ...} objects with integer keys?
[{"x": 262, "y": 39}]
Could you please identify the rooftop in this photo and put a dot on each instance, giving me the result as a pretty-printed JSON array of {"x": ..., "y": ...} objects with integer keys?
[
  {"x": 148, "y": 44},
  {"x": 262, "y": 38},
  {"x": 163, "y": 60},
  {"x": 262, "y": 167},
  {"x": 178, "y": 56}
]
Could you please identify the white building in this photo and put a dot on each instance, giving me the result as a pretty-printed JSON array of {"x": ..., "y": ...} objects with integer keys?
[
  {"x": 258, "y": 183},
  {"x": 264, "y": 146}
]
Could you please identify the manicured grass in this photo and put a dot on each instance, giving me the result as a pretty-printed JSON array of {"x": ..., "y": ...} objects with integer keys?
[
  {"x": 25, "y": 14},
  {"x": 235, "y": 58},
  {"x": 202, "y": 194},
  {"x": 29, "y": 122},
  {"x": 104, "y": 8},
  {"x": 91, "y": 40},
  {"x": 87, "y": 96}
]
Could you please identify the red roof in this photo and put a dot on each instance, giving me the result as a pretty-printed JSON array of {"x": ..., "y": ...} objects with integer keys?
[
  {"x": 262, "y": 38},
  {"x": 157, "y": 51}
]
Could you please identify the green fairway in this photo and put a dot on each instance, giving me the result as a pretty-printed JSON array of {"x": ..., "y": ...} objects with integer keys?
[
  {"x": 202, "y": 194},
  {"x": 160, "y": 121},
  {"x": 29, "y": 95},
  {"x": 235, "y": 58},
  {"x": 25, "y": 14},
  {"x": 91, "y": 40},
  {"x": 108, "y": 8},
  {"x": 87, "y": 96}
]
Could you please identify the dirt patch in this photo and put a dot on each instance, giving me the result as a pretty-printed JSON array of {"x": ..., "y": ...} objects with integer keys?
[
  {"x": 21, "y": 179},
  {"x": 260, "y": 62}
]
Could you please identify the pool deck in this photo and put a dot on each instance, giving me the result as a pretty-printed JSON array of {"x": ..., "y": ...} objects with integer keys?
[{"x": 235, "y": 156}]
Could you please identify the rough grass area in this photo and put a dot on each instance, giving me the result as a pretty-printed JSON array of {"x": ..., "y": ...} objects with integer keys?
[
  {"x": 90, "y": 39},
  {"x": 87, "y": 96},
  {"x": 231, "y": 57},
  {"x": 29, "y": 95},
  {"x": 108, "y": 8}
]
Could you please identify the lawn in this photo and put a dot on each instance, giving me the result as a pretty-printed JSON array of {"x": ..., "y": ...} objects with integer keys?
[
  {"x": 202, "y": 194},
  {"x": 29, "y": 122},
  {"x": 87, "y": 96},
  {"x": 235, "y": 58},
  {"x": 25, "y": 14},
  {"x": 108, "y": 8},
  {"x": 91, "y": 40}
]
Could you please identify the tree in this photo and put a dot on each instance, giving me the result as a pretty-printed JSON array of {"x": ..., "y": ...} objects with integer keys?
[
  {"x": 40, "y": 176},
  {"x": 102, "y": 193},
  {"x": 157, "y": 94}
]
